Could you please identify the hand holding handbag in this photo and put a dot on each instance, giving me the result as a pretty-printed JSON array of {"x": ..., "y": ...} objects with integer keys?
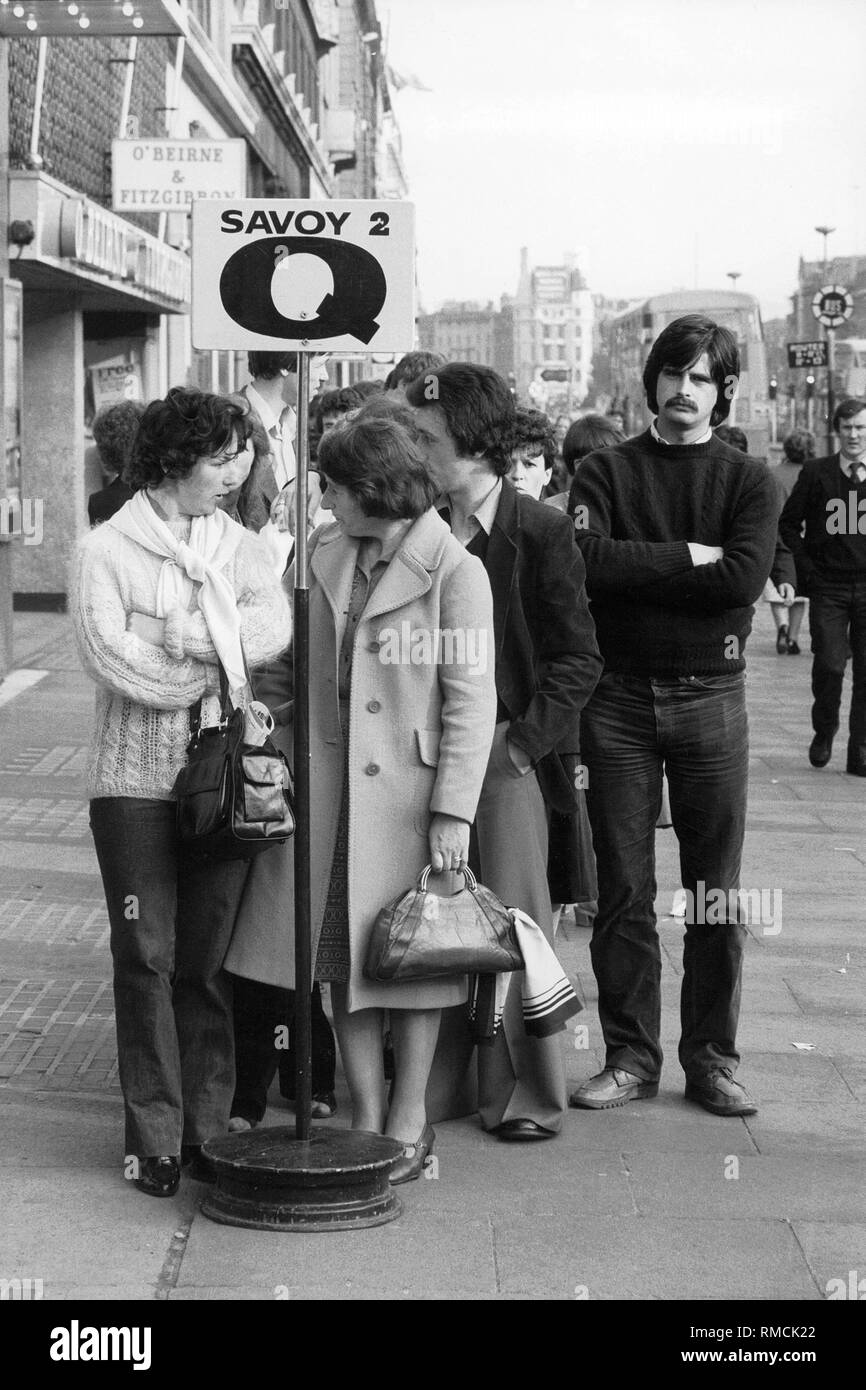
[
  {"x": 234, "y": 797},
  {"x": 422, "y": 936}
]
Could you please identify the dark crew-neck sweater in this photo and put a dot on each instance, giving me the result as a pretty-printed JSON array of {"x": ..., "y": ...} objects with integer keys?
[{"x": 636, "y": 507}]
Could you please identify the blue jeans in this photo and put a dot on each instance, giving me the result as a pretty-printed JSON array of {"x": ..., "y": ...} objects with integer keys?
[
  {"x": 171, "y": 921},
  {"x": 837, "y": 617},
  {"x": 696, "y": 729}
]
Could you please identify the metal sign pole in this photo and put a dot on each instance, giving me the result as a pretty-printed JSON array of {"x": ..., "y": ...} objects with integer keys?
[
  {"x": 831, "y": 403},
  {"x": 301, "y": 663},
  {"x": 258, "y": 267}
]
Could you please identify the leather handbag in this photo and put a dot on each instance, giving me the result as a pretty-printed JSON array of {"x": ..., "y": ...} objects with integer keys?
[
  {"x": 422, "y": 936},
  {"x": 234, "y": 797}
]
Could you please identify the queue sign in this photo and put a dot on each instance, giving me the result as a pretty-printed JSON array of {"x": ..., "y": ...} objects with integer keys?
[
  {"x": 277, "y": 275},
  {"x": 832, "y": 305}
]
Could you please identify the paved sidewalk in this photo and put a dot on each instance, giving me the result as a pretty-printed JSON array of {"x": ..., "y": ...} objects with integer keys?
[{"x": 658, "y": 1200}]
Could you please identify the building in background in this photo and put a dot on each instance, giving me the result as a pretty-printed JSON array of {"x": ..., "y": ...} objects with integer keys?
[
  {"x": 97, "y": 301},
  {"x": 553, "y": 334},
  {"x": 605, "y": 311}
]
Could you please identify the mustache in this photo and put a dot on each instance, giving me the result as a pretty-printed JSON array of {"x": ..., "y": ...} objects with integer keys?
[{"x": 682, "y": 401}]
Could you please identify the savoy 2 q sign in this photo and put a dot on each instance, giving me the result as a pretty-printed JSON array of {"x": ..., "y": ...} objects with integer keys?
[{"x": 276, "y": 274}]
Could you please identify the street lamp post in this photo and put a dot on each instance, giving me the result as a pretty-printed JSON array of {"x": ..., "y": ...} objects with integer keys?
[
  {"x": 831, "y": 344},
  {"x": 733, "y": 276}
]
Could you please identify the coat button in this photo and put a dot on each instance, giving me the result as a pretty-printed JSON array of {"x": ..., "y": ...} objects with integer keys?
[
  {"x": 373, "y": 706},
  {"x": 374, "y": 646},
  {"x": 371, "y": 769}
]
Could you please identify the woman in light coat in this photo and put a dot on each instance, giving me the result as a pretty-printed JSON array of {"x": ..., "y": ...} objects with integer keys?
[{"x": 402, "y": 713}]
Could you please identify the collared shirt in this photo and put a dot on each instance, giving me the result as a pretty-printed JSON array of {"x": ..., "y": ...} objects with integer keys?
[
  {"x": 854, "y": 469},
  {"x": 366, "y": 576},
  {"x": 282, "y": 429},
  {"x": 481, "y": 519},
  {"x": 704, "y": 439}
]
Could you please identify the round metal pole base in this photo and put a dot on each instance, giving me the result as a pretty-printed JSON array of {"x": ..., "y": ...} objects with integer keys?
[{"x": 269, "y": 1180}]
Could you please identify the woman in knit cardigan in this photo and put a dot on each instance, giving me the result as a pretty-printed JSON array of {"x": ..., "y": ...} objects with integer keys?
[{"x": 165, "y": 589}]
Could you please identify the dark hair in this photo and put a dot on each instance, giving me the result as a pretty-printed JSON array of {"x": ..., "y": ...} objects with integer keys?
[
  {"x": 798, "y": 446},
  {"x": 390, "y": 408},
  {"x": 681, "y": 344},
  {"x": 368, "y": 388},
  {"x": 377, "y": 458},
  {"x": 478, "y": 409},
  {"x": 531, "y": 435},
  {"x": 264, "y": 366},
  {"x": 847, "y": 409},
  {"x": 173, "y": 434},
  {"x": 585, "y": 436},
  {"x": 114, "y": 430},
  {"x": 734, "y": 436},
  {"x": 410, "y": 367},
  {"x": 338, "y": 402}
]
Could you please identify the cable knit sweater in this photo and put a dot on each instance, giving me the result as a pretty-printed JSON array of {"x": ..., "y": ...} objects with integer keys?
[{"x": 143, "y": 693}]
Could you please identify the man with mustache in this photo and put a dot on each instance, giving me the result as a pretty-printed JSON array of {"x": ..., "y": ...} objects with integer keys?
[{"x": 678, "y": 532}]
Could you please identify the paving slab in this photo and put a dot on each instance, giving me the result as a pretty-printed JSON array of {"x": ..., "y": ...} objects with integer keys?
[
  {"x": 748, "y": 1187},
  {"x": 651, "y": 1257},
  {"x": 422, "y": 1252},
  {"x": 814, "y": 1128},
  {"x": 88, "y": 1228},
  {"x": 835, "y": 1251}
]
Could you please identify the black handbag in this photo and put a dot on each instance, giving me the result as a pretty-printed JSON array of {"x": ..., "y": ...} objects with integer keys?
[
  {"x": 234, "y": 798},
  {"x": 422, "y": 936}
]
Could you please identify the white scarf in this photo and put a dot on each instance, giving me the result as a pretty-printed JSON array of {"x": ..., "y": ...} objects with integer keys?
[
  {"x": 213, "y": 541},
  {"x": 547, "y": 997}
]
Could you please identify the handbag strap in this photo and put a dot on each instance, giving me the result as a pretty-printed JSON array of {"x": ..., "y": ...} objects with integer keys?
[
  {"x": 471, "y": 880},
  {"x": 194, "y": 712}
]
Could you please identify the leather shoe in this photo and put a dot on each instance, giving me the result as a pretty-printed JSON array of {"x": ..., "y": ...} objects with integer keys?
[
  {"x": 158, "y": 1177},
  {"x": 782, "y": 640},
  {"x": 719, "y": 1093},
  {"x": 793, "y": 648},
  {"x": 610, "y": 1088},
  {"x": 193, "y": 1159},
  {"x": 856, "y": 763},
  {"x": 409, "y": 1167},
  {"x": 520, "y": 1130},
  {"x": 821, "y": 750}
]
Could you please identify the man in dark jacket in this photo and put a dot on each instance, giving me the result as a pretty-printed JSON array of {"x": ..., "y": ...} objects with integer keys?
[
  {"x": 678, "y": 532},
  {"x": 547, "y": 665},
  {"x": 829, "y": 496}
]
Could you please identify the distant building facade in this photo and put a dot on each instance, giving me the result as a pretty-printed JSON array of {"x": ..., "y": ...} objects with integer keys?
[{"x": 553, "y": 334}]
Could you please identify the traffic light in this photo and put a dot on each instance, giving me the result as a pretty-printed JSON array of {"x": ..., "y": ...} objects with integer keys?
[
  {"x": 810, "y": 385},
  {"x": 774, "y": 388}
]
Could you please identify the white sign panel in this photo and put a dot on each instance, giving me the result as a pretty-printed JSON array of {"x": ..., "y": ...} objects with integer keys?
[
  {"x": 116, "y": 382},
  {"x": 276, "y": 275},
  {"x": 166, "y": 175}
]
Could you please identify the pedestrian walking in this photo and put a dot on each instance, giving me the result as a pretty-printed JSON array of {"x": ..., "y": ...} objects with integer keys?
[{"x": 823, "y": 524}]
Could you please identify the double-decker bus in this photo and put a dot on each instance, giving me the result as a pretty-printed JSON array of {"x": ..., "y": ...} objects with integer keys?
[{"x": 633, "y": 331}]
